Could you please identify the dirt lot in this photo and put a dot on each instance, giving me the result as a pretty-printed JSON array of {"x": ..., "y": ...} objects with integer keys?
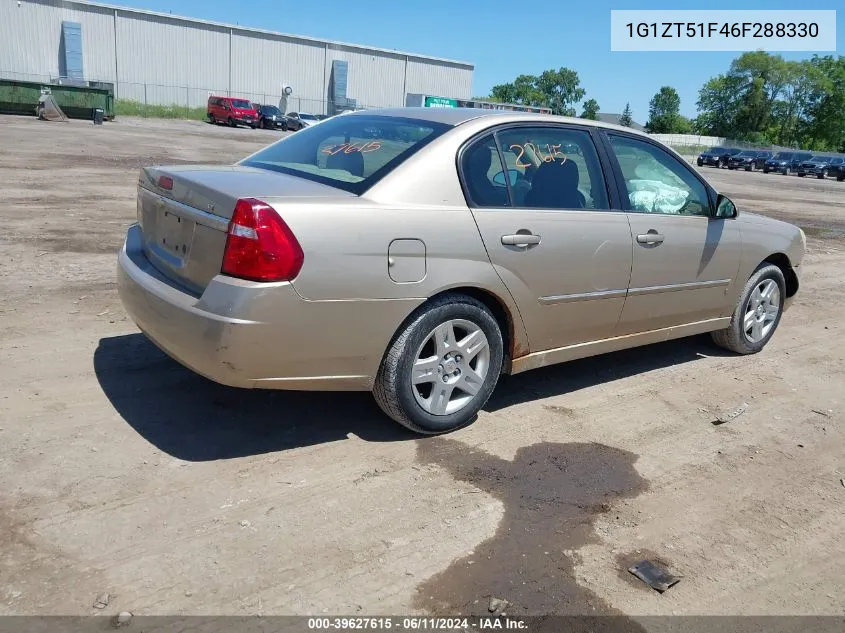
[{"x": 121, "y": 472}]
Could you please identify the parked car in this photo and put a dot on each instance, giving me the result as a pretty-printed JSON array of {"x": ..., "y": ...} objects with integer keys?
[
  {"x": 321, "y": 117},
  {"x": 271, "y": 118},
  {"x": 299, "y": 120},
  {"x": 716, "y": 156},
  {"x": 232, "y": 111},
  {"x": 422, "y": 270},
  {"x": 778, "y": 163},
  {"x": 837, "y": 168},
  {"x": 818, "y": 166},
  {"x": 796, "y": 160},
  {"x": 749, "y": 159}
]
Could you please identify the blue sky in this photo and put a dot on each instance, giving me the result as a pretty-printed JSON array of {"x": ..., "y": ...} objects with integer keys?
[{"x": 503, "y": 39}]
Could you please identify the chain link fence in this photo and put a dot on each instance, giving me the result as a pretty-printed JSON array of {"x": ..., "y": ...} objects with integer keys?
[
  {"x": 691, "y": 145},
  {"x": 186, "y": 102}
]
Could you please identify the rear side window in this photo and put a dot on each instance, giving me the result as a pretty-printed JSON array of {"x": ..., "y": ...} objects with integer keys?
[
  {"x": 484, "y": 176},
  {"x": 553, "y": 168},
  {"x": 349, "y": 152}
]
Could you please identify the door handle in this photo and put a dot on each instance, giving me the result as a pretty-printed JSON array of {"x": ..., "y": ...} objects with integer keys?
[
  {"x": 520, "y": 239},
  {"x": 652, "y": 237}
]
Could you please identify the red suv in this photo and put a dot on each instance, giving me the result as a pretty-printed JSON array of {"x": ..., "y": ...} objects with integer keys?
[{"x": 232, "y": 111}]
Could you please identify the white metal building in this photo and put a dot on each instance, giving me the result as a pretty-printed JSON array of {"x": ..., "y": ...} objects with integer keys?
[{"x": 164, "y": 59}]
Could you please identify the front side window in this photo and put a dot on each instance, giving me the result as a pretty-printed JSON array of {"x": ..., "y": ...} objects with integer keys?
[
  {"x": 656, "y": 181},
  {"x": 348, "y": 152},
  {"x": 553, "y": 168},
  {"x": 484, "y": 176}
]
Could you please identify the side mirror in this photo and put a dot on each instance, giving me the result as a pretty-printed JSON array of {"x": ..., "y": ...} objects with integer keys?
[
  {"x": 725, "y": 208},
  {"x": 499, "y": 179}
]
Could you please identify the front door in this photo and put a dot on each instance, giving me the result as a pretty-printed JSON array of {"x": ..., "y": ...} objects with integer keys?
[
  {"x": 684, "y": 258},
  {"x": 550, "y": 232}
]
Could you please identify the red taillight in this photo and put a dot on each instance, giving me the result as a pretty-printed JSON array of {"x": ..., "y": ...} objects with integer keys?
[
  {"x": 165, "y": 182},
  {"x": 260, "y": 246}
]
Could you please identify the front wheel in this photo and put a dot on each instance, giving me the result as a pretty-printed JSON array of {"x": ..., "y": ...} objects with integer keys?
[
  {"x": 757, "y": 314},
  {"x": 442, "y": 366},
  {"x": 232, "y": 122},
  {"x": 823, "y": 174}
]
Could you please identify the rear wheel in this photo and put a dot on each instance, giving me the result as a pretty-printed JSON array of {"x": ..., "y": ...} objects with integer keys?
[
  {"x": 757, "y": 314},
  {"x": 786, "y": 171},
  {"x": 442, "y": 366},
  {"x": 749, "y": 168},
  {"x": 211, "y": 118}
]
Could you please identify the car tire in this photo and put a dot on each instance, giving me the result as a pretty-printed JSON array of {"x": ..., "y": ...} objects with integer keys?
[
  {"x": 211, "y": 119},
  {"x": 231, "y": 122},
  {"x": 434, "y": 332},
  {"x": 749, "y": 168},
  {"x": 800, "y": 175},
  {"x": 787, "y": 171},
  {"x": 823, "y": 174},
  {"x": 765, "y": 170},
  {"x": 699, "y": 162},
  {"x": 753, "y": 314},
  {"x": 840, "y": 178}
]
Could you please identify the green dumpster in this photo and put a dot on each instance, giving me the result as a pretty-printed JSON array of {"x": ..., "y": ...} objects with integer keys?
[{"x": 77, "y": 102}]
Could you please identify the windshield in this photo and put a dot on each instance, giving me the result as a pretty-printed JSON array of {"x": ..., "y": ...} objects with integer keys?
[
  {"x": 783, "y": 155},
  {"x": 749, "y": 154},
  {"x": 270, "y": 110},
  {"x": 241, "y": 103},
  {"x": 715, "y": 150},
  {"x": 836, "y": 161},
  {"x": 307, "y": 117},
  {"x": 349, "y": 152}
]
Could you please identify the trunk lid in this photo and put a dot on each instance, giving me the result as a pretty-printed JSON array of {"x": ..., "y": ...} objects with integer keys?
[{"x": 184, "y": 213}]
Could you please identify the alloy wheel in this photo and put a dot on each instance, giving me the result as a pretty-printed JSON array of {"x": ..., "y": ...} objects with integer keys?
[
  {"x": 450, "y": 367},
  {"x": 761, "y": 311}
]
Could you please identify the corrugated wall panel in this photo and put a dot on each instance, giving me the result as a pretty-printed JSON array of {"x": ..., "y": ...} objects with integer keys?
[
  {"x": 262, "y": 64},
  {"x": 30, "y": 38},
  {"x": 160, "y": 52},
  {"x": 375, "y": 79},
  {"x": 167, "y": 60},
  {"x": 439, "y": 79}
]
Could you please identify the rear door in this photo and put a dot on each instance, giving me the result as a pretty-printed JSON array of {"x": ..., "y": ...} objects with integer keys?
[
  {"x": 684, "y": 259},
  {"x": 553, "y": 234}
]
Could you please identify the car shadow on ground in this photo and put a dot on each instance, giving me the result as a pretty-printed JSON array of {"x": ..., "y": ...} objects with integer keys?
[{"x": 194, "y": 419}]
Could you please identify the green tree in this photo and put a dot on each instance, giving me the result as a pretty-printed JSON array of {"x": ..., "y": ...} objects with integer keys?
[
  {"x": 664, "y": 112},
  {"x": 741, "y": 102},
  {"x": 554, "y": 89},
  {"x": 824, "y": 124},
  {"x": 626, "y": 119},
  {"x": 591, "y": 110}
]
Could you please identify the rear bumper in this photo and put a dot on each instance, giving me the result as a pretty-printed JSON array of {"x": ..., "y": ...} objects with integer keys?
[{"x": 246, "y": 334}]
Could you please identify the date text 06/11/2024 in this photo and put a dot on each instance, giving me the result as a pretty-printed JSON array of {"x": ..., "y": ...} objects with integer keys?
[{"x": 418, "y": 623}]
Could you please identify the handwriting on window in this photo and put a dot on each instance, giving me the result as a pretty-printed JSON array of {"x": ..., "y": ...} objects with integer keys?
[
  {"x": 352, "y": 148},
  {"x": 552, "y": 153}
]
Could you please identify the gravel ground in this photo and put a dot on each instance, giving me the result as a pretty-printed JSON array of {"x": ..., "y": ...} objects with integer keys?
[{"x": 123, "y": 473}]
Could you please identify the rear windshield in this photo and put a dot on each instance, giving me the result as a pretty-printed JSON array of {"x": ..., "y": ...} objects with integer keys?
[
  {"x": 348, "y": 152},
  {"x": 241, "y": 103}
]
